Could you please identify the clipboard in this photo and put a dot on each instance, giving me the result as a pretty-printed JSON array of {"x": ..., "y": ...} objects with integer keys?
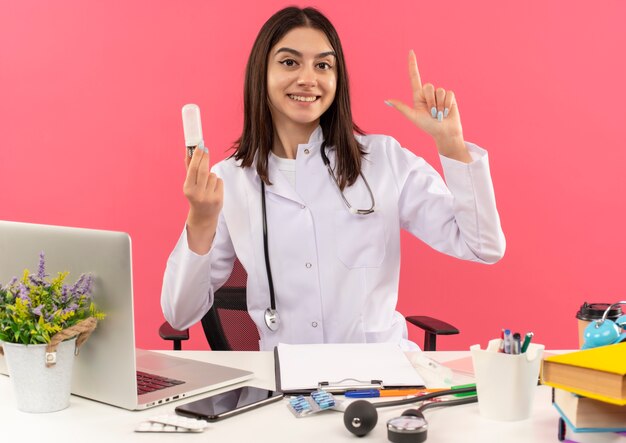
[{"x": 337, "y": 368}]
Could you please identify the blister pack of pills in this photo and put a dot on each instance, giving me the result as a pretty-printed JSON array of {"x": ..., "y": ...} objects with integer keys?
[
  {"x": 172, "y": 423},
  {"x": 319, "y": 400}
]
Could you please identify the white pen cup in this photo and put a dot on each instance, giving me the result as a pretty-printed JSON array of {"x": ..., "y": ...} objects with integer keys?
[{"x": 506, "y": 383}]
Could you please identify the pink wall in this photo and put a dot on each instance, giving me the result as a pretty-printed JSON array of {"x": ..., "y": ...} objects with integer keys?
[{"x": 90, "y": 134}]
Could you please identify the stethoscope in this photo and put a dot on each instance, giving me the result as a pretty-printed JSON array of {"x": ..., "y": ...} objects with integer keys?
[
  {"x": 360, "y": 417},
  {"x": 272, "y": 320}
]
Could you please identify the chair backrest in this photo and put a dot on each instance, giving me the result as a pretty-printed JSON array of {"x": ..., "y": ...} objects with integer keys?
[{"x": 227, "y": 325}]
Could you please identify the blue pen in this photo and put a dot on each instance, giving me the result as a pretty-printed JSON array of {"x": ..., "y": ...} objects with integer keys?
[{"x": 366, "y": 393}]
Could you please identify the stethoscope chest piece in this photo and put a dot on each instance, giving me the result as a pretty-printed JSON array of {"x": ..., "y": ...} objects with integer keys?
[
  {"x": 407, "y": 429},
  {"x": 271, "y": 319}
]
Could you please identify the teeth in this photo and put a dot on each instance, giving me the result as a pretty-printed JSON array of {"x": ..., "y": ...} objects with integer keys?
[{"x": 302, "y": 99}]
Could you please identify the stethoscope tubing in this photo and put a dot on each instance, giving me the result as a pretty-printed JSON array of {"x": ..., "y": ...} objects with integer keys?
[
  {"x": 419, "y": 398},
  {"x": 271, "y": 313},
  {"x": 268, "y": 267}
]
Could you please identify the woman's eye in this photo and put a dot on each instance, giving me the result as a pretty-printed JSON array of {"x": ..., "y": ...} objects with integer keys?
[
  {"x": 324, "y": 66},
  {"x": 288, "y": 62}
]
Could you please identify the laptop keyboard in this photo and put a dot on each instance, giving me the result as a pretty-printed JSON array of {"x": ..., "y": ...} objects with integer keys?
[{"x": 150, "y": 382}]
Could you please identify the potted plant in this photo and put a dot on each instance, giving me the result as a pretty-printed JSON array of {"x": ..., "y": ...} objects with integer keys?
[{"x": 43, "y": 322}]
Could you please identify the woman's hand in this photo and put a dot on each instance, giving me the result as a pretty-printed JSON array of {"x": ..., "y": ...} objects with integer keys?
[
  {"x": 205, "y": 192},
  {"x": 434, "y": 111}
]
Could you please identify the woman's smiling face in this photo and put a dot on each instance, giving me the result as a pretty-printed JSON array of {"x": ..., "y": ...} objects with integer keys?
[{"x": 301, "y": 77}]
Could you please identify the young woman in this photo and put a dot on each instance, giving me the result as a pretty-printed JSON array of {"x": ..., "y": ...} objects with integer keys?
[{"x": 331, "y": 203}]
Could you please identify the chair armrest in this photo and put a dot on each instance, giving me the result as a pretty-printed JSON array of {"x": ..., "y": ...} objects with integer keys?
[
  {"x": 432, "y": 327},
  {"x": 168, "y": 333}
]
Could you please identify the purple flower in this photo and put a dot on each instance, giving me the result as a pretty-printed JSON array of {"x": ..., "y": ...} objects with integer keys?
[
  {"x": 70, "y": 308},
  {"x": 77, "y": 287},
  {"x": 8, "y": 285},
  {"x": 24, "y": 294},
  {"x": 42, "y": 266},
  {"x": 88, "y": 285},
  {"x": 37, "y": 310},
  {"x": 83, "y": 285},
  {"x": 64, "y": 294},
  {"x": 35, "y": 281}
]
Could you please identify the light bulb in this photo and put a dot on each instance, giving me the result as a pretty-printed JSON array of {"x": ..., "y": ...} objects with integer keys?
[{"x": 192, "y": 127}]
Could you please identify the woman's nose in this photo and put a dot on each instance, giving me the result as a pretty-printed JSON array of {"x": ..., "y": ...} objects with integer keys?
[{"x": 307, "y": 77}]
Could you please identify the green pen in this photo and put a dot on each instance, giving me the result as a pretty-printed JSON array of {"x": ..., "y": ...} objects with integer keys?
[
  {"x": 465, "y": 394},
  {"x": 527, "y": 339}
]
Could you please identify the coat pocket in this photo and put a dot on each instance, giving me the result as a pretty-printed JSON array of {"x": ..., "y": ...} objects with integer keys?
[{"x": 359, "y": 239}]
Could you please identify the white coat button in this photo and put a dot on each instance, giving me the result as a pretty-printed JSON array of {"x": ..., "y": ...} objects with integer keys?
[
  {"x": 314, "y": 324},
  {"x": 302, "y": 206},
  {"x": 306, "y": 151},
  {"x": 308, "y": 265}
]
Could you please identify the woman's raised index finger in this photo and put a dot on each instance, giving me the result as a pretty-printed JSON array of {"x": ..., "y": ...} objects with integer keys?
[{"x": 414, "y": 73}]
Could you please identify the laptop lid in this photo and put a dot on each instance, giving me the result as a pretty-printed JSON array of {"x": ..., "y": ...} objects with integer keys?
[{"x": 106, "y": 368}]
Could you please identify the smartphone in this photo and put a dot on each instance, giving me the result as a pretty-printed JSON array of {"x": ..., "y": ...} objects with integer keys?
[{"x": 229, "y": 403}]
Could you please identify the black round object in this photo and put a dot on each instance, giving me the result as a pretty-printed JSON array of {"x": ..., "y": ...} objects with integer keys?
[
  {"x": 360, "y": 417},
  {"x": 410, "y": 427},
  {"x": 595, "y": 311},
  {"x": 407, "y": 429}
]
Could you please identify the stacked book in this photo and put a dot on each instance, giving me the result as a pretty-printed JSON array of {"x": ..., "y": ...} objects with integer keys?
[{"x": 589, "y": 393}]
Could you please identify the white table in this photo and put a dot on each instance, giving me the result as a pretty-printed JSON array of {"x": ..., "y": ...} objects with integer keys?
[{"x": 90, "y": 422}]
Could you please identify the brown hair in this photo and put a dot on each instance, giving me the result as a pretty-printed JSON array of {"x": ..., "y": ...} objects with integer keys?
[{"x": 257, "y": 137}]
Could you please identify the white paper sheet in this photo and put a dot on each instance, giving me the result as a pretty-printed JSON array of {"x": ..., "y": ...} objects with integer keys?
[{"x": 302, "y": 367}]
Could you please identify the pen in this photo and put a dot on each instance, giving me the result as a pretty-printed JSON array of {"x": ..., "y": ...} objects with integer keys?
[
  {"x": 517, "y": 346},
  {"x": 373, "y": 393},
  {"x": 465, "y": 394},
  {"x": 403, "y": 392},
  {"x": 507, "y": 341},
  {"x": 365, "y": 393},
  {"x": 527, "y": 339}
]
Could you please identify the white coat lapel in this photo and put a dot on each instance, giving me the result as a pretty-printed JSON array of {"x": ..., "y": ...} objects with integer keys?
[{"x": 280, "y": 186}]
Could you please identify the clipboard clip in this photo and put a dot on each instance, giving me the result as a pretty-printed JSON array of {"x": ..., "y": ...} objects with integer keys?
[{"x": 349, "y": 384}]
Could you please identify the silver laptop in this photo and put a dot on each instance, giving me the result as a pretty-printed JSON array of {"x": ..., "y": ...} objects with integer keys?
[{"x": 107, "y": 367}]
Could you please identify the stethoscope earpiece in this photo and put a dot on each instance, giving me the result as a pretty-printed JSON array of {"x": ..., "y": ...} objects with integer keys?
[{"x": 360, "y": 417}]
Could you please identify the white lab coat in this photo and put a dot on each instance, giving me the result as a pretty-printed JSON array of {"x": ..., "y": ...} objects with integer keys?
[{"x": 335, "y": 273}]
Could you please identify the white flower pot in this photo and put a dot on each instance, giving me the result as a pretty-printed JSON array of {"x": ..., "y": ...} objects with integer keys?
[{"x": 39, "y": 388}]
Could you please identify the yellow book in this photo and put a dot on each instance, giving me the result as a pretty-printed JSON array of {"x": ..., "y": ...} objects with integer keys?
[{"x": 598, "y": 373}]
